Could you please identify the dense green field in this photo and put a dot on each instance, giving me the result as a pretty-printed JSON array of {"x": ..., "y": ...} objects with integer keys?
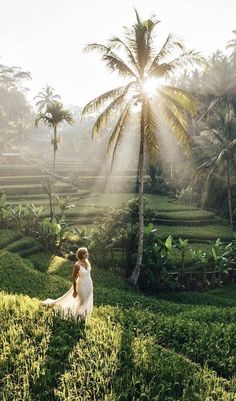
[{"x": 175, "y": 347}]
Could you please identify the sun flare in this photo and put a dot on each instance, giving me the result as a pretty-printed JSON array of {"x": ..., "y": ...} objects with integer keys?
[{"x": 150, "y": 85}]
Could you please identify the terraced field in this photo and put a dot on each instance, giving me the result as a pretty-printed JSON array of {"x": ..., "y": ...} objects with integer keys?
[
  {"x": 22, "y": 185},
  {"x": 176, "y": 347}
]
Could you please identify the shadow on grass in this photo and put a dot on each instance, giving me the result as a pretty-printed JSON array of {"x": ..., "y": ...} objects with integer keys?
[
  {"x": 123, "y": 380},
  {"x": 64, "y": 337}
]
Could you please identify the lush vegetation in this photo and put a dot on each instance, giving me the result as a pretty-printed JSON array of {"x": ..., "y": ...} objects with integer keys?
[{"x": 133, "y": 347}]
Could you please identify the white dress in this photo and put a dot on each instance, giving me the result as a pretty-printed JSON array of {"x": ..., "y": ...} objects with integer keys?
[{"x": 82, "y": 304}]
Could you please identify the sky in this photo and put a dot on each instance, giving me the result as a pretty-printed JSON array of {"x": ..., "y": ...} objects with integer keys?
[{"x": 47, "y": 37}]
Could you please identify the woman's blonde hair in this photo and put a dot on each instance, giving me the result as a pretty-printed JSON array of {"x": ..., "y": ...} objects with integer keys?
[{"x": 80, "y": 253}]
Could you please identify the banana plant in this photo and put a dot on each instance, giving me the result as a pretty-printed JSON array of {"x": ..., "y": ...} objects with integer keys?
[
  {"x": 223, "y": 259},
  {"x": 64, "y": 204},
  {"x": 53, "y": 234},
  {"x": 35, "y": 213},
  {"x": 182, "y": 246},
  {"x": 4, "y": 210}
]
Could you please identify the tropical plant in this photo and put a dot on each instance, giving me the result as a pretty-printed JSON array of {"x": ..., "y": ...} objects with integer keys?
[
  {"x": 46, "y": 96},
  {"x": 64, "y": 205},
  {"x": 232, "y": 46},
  {"x": 142, "y": 96},
  {"x": 13, "y": 102},
  {"x": 223, "y": 259},
  {"x": 52, "y": 234},
  {"x": 49, "y": 187},
  {"x": 182, "y": 245},
  {"x": 54, "y": 116},
  {"x": 218, "y": 85},
  {"x": 156, "y": 183},
  {"x": 187, "y": 196},
  {"x": 19, "y": 130},
  {"x": 218, "y": 149},
  {"x": 35, "y": 213},
  {"x": 159, "y": 271}
]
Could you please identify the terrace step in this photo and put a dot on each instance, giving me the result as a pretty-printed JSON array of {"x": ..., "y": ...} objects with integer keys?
[
  {"x": 22, "y": 170},
  {"x": 202, "y": 222},
  {"x": 27, "y": 189},
  {"x": 17, "y": 180}
]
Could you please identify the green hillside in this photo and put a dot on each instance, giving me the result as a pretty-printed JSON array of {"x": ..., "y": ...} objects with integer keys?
[{"x": 173, "y": 347}]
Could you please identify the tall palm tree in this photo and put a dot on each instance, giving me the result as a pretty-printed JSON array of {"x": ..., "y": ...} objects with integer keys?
[
  {"x": 218, "y": 150},
  {"x": 143, "y": 66},
  {"x": 218, "y": 85},
  {"x": 54, "y": 116},
  {"x": 46, "y": 96},
  {"x": 232, "y": 46}
]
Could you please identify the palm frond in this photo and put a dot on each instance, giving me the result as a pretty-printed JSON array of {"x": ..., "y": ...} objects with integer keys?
[
  {"x": 54, "y": 115},
  {"x": 150, "y": 133},
  {"x": 209, "y": 163},
  {"x": 177, "y": 123},
  {"x": 115, "y": 63},
  {"x": 207, "y": 147},
  {"x": 118, "y": 42},
  {"x": 177, "y": 111},
  {"x": 103, "y": 119},
  {"x": 180, "y": 98},
  {"x": 96, "y": 47},
  {"x": 99, "y": 101},
  {"x": 185, "y": 59},
  {"x": 117, "y": 134},
  {"x": 169, "y": 45},
  {"x": 46, "y": 119}
]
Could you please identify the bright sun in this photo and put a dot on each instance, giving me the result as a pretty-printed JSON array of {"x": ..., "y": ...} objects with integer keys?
[{"x": 149, "y": 86}]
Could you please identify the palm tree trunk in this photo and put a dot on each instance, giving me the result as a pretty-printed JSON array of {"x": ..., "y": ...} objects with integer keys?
[
  {"x": 229, "y": 195},
  {"x": 54, "y": 147},
  {"x": 51, "y": 206},
  {"x": 133, "y": 279}
]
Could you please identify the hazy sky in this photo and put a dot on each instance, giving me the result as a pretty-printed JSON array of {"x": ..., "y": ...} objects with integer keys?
[{"x": 46, "y": 37}]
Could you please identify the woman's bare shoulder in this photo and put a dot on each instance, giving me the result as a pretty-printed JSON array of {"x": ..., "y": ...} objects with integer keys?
[{"x": 77, "y": 265}]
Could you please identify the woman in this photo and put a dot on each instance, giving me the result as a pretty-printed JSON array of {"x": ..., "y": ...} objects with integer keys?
[{"x": 78, "y": 301}]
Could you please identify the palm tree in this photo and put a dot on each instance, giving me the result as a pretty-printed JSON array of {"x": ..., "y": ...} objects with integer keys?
[
  {"x": 232, "y": 46},
  {"x": 45, "y": 97},
  {"x": 54, "y": 116},
  {"x": 143, "y": 66},
  {"x": 218, "y": 150},
  {"x": 219, "y": 87}
]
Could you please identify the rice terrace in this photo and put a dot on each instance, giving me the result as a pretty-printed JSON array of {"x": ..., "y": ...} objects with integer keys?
[{"x": 118, "y": 201}]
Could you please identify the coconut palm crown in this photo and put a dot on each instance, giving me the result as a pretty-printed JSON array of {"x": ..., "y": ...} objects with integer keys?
[
  {"x": 46, "y": 96},
  {"x": 54, "y": 116},
  {"x": 135, "y": 59}
]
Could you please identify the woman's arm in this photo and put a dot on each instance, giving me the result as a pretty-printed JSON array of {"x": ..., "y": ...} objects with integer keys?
[{"x": 74, "y": 276}]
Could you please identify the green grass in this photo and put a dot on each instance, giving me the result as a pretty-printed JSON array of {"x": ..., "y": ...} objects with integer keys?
[
  {"x": 18, "y": 278},
  {"x": 209, "y": 232},
  {"x": 22, "y": 244},
  {"x": 186, "y": 215},
  {"x": 8, "y": 236},
  {"x": 133, "y": 348},
  {"x": 177, "y": 346}
]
